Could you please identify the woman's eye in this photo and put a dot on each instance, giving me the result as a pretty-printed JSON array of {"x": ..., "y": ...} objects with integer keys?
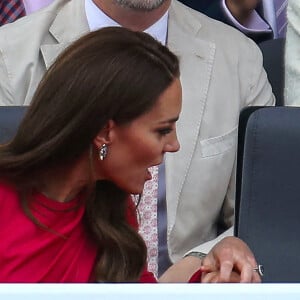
[{"x": 164, "y": 131}]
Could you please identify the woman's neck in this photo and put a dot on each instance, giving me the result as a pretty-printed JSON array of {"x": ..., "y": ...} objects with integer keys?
[{"x": 63, "y": 184}]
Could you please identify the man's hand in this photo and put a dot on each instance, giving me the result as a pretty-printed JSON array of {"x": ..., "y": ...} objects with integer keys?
[{"x": 229, "y": 259}]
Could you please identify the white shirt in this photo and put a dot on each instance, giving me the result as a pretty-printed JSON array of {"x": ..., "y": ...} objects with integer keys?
[
  {"x": 98, "y": 19},
  {"x": 33, "y": 5}
]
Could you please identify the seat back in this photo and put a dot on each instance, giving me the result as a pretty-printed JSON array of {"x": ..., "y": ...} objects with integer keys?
[
  {"x": 268, "y": 201},
  {"x": 10, "y": 118},
  {"x": 243, "y": 121}
]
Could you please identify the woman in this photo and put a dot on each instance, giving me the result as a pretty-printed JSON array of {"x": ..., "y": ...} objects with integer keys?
[{"x": 104, "y": 113}]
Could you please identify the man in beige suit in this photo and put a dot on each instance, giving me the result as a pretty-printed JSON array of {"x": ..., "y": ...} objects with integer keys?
[{"x": 221, "y": 72}]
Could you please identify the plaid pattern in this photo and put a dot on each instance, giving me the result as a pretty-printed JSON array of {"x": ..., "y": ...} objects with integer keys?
[{"x": 10, "y": 10}]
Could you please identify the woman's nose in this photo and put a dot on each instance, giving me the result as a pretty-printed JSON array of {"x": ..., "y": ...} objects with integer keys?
[{"x": 173, "y": 145}]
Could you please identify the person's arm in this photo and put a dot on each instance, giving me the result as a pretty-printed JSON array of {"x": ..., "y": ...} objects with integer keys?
[
  {"x": 230, "y": 260},
  {"x": 255, "y": 90},
  {"x": 292, "y": 55},
  {"x": 184, "y": 269}
]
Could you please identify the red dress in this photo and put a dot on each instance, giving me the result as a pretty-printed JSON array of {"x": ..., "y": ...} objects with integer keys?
[{"x": 61, "y": 254}]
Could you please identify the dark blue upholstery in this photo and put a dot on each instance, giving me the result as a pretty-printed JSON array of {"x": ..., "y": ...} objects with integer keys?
[
  {"x": 10, "y": 118},
  {"x": 268, "y": 190}
]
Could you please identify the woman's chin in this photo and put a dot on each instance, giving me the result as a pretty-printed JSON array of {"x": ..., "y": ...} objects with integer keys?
[{"x": 137, "y": 190}]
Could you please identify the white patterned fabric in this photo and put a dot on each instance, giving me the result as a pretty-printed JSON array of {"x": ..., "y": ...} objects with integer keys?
[{"x": 147, "y": 210}]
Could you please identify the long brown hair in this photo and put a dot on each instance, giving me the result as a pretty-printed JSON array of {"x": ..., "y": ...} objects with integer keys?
[{"x": 112, "y": 73}]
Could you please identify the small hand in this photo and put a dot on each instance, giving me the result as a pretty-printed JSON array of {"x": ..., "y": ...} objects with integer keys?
[
  {"x": 215, "y": 277},
  {"x": 182, "y": 270},
  {"x": 228, "y": 258}
]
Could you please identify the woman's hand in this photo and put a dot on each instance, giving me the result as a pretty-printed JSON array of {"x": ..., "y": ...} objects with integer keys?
[
  {"x": 230, "y": 260},
  {"x": 215, "y": 277}
]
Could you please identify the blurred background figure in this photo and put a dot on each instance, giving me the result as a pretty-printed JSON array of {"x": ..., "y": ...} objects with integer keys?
[
  {"x": 258, "y": 19},
  {"x": 11, "y": 10},
  {"x": 292, "y": 55},
  {"x": 274, "y": 12}
]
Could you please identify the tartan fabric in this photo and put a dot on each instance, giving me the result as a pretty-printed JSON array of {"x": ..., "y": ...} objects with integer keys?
[{"x": 11, "y": 10}]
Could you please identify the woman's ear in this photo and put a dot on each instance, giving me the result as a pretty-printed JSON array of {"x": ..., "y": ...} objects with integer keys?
[{"x": 104, "y": 136}]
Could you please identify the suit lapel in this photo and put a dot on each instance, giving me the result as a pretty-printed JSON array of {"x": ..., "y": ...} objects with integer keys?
[
  {"x": 196, "y": 60},
  {"x": 63, "y": 34}
]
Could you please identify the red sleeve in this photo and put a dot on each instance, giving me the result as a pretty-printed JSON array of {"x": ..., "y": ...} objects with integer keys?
[
  {"x": 196, "y": 277},
  {"x": 147, "y": 277}
]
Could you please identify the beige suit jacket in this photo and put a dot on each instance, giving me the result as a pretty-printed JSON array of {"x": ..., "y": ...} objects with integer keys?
[{"x": 221, "y": 72}]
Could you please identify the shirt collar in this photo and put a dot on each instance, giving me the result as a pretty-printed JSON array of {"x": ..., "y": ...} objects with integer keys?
[
  {"x": 254, "y": 24},
  {"x": 98, "y": 19}
]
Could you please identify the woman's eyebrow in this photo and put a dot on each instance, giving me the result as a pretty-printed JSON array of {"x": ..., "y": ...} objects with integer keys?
[{"x": 172, "y": 120}]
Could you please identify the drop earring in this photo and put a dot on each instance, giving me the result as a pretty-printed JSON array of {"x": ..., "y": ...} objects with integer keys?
[{"x": 103, "y": 152}]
